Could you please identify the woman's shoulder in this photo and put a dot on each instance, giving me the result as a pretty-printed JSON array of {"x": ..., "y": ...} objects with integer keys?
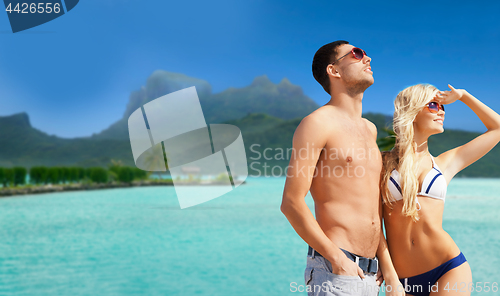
[
  {"x": 387, "y": 154},
  {"x": 389, "y": 160}
]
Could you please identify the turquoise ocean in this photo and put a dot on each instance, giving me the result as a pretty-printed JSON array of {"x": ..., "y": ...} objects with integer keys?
[{"x": 137, "y": 241}]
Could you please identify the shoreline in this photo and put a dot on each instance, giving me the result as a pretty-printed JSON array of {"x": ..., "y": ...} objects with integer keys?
[{"x": 5, "y": 192}]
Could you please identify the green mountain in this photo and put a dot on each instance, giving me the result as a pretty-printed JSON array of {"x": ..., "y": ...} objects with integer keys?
[
  {"x": 266, "y": 113},
  {"x": 26, "y": 146},
  {"x": 283, "y": 100},
  {"x": 23, "y": 145}
]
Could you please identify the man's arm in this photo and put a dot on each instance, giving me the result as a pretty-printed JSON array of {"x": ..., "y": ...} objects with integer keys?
[{"x": 308, "y": 141}]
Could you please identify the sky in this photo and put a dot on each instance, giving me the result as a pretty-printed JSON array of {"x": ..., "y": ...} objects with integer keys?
[{"x": 73, "y": 75}]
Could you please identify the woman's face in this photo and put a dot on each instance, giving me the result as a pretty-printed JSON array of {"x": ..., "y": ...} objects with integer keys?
[{"x": 428, "y": 122}]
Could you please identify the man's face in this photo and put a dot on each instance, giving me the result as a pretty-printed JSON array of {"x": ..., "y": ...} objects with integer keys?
[{"x": 356, "y": 74}]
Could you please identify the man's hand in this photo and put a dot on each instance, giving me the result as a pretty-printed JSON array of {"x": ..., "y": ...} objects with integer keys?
[{"x": 346, "y": 266}]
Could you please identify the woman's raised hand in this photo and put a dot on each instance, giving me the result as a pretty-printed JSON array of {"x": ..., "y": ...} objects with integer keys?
[{"x": 450, "y": 96}]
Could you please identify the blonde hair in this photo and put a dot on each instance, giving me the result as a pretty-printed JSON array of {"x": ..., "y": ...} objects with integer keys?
[{"x": 402, "y": 157}]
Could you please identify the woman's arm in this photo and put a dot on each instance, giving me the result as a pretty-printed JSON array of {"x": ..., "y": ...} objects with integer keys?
[
  {"x": 388, "y": 271},
  {"x": 385, "y": 265},
  {"x": 457, "y": 159}
]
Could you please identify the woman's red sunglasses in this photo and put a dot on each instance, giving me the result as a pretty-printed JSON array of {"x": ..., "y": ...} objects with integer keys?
[
  {"x": 358, "y": 53},
  {"x": 434, "y": 107}
]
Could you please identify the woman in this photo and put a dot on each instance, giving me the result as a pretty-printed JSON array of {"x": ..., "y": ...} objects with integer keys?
[{"x": 413, "y": 189}]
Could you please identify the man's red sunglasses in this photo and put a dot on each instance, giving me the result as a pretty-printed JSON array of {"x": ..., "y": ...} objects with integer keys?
[{"x": 358, "y": 53}]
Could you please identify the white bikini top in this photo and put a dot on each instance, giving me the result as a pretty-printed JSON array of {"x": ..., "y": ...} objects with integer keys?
[{"x": 434, "y": 184}]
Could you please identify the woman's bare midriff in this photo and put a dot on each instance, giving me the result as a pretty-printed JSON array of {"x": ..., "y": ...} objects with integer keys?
[{"x": 417, "y": 247}]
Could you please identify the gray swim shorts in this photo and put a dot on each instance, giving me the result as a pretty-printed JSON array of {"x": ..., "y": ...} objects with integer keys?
[{"x": 320, "y": 281}]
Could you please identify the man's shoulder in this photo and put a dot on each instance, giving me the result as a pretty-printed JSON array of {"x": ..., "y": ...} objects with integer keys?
[
  {"x": 371, "y": 126},
  {"x": 317, "y": 124},
  {"x": 324, "y": 115}
]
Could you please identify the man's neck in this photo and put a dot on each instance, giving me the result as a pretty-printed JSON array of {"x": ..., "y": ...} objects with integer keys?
[{"x": 350, "y": 105}]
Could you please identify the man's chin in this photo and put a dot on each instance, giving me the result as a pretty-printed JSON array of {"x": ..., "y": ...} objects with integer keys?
[
  {"x": 366, "y": 84},
  {"x": 356, "y": 87}
]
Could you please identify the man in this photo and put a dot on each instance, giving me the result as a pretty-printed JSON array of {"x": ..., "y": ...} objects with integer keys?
[{"x": 336, "y": 157}]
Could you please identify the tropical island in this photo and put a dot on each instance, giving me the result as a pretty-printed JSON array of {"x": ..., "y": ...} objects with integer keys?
[{"x": 31, "y": 161}]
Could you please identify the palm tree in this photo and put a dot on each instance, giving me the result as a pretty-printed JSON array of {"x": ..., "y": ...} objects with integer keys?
[{"x": 387, "y": 143}]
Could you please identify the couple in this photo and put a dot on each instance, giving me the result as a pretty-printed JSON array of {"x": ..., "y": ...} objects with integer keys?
[{"x": 336, "y": 157}]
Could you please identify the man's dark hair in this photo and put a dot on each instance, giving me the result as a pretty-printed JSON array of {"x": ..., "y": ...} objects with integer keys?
[{"x": 326, "y": 55}]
